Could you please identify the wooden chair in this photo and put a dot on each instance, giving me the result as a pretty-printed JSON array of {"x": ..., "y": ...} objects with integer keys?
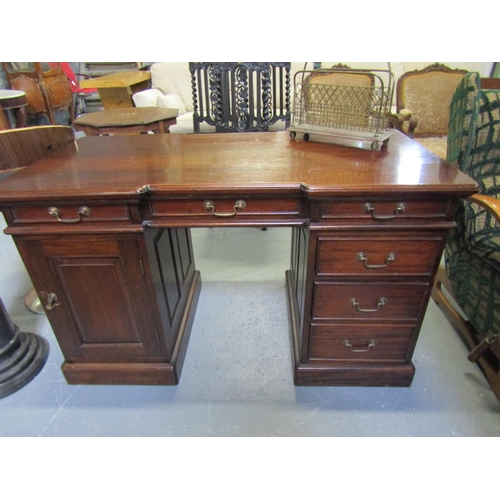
[
  {"x": 46, "y": 86},
  {"x": 21, "y": 147},
  {"x": 472, "y": 251},
  {"x": 422, "y": 100},
  {"x": 240, "y": 96}
]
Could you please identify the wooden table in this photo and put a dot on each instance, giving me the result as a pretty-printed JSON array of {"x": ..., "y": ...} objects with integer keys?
[
  {"x": 126, "y": 121},
  {"x": 116, "y": 89},
  {"x": 15, "y": 100},
  {"x": 103, "y": 228}
]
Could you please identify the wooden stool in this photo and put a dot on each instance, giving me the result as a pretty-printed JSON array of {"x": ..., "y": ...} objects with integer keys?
[
  {"x": 116, "y": 89},
  {"x": 126, "y": 121},
  {"x": 15, "y": 100}
]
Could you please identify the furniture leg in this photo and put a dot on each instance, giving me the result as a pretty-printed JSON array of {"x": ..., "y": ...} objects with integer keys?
[{"x": 488, "y": 365}]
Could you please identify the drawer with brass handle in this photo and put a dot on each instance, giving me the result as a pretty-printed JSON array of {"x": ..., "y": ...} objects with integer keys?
[
  {"x": 368, "y": 301},
  {"x": 376, "y": 255},
  {"x": 224, "y": 207},
  {"x": 69, "y": 214},
  {"x": 359, "y": 342},
  {"x": 384, "y": 211}
]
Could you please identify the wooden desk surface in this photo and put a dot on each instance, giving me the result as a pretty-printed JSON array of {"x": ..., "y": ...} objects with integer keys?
[
  {"x": 123, "y": 117},
  {"x": 179, "y": 164},
  {"x": 113, "y": 80}
]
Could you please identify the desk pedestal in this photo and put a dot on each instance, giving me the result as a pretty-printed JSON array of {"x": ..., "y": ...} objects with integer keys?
[{"x": 122, "y": 302}]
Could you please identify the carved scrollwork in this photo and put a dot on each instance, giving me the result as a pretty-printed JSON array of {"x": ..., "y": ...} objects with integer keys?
[
  {"x": 241, "y": 96},
  {"x": 267, "y": 97}
]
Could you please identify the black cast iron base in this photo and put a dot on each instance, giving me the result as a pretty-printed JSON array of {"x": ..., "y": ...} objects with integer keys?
[{"x": 22, "y": 355}]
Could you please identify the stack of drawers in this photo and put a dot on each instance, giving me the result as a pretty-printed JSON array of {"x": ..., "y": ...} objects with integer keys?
[{"x": 371, "y": 280}]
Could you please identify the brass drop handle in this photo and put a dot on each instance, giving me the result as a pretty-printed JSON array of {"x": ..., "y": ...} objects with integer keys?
[
  {"x": 361, "y": 257},
  {"x": 380, "y": 303},
  {"x": 371, "y": 343},
  {"x": 209, "y": 205},
  {"x": 52, "y": 301},
  {"x": 369, "y": 209},
  {"x": 82, "y": 212}
]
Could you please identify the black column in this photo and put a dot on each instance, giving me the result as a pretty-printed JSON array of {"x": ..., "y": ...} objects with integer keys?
[{"x": 22, "y": 355}]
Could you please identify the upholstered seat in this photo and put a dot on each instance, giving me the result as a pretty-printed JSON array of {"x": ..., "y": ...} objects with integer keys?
[{"x": 423, "y": 98}]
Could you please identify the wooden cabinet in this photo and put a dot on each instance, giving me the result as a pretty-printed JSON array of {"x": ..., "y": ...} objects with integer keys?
[{"x": 98, "y": 295}]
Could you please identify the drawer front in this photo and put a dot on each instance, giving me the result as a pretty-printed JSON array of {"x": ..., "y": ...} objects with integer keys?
[
  {"x": 376, "y": 256},
  {"x": 58, "y": 213},
  {"x": 383, "y": 211},
  {"x": 225, "y": 207},
  {"x": 359, "y": 342},
  {"x": 368, "y": 301}
]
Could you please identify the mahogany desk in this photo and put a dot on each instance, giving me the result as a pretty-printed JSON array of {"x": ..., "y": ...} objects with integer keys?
[{"x": 103, "y": 227}]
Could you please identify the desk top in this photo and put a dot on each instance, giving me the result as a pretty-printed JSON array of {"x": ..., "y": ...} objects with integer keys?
[
  {"x": 123, "y": 117},
  {"x": 116, "y": 167},
  {"x": 113, "y": 80}
]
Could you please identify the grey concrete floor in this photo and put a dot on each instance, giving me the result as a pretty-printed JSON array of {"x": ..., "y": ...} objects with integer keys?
[{"x": 237, "y": 377}]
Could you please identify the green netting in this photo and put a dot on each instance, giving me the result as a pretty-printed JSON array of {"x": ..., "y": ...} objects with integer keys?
[{"x": 473, "y": 248}]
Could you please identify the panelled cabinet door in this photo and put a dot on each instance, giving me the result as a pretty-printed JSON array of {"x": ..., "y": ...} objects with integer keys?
[{"x": 95, "y": 296}]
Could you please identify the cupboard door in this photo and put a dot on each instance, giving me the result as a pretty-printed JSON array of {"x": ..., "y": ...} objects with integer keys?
[{"x": 95, "y": 296}]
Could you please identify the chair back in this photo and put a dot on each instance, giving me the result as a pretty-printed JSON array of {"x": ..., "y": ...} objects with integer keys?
[
  {"x": 474, "y": 147},
  {"x": 240, "y": 96},
  {"x": 427, "y": 93},
  {"x": 21, "y": 147},
  {"x": 474, "y": 131},
  {"x": 46, "y": 87}
]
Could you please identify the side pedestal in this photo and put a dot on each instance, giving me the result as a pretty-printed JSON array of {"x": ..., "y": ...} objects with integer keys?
[
  {"x": 141, "y": 373},
  {"x": 339, "y": 373}
]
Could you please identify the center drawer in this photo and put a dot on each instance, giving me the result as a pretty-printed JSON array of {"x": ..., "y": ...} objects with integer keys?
[
  {"x": 225, "y": 207},
  {"x": 368, "y": 301}
]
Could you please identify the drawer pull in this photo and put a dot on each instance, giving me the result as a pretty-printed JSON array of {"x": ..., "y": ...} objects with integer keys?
[
  {"x": 209, "y": 205},
  {"x": 380, "y": 303},
  {"x": 82, "y": 212},
  {"x": 400, "y": 208},
  {"x": 370, "y": 344},
  {"x": 52, "y": 301},
  {"x": 361, "y": 257}
]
